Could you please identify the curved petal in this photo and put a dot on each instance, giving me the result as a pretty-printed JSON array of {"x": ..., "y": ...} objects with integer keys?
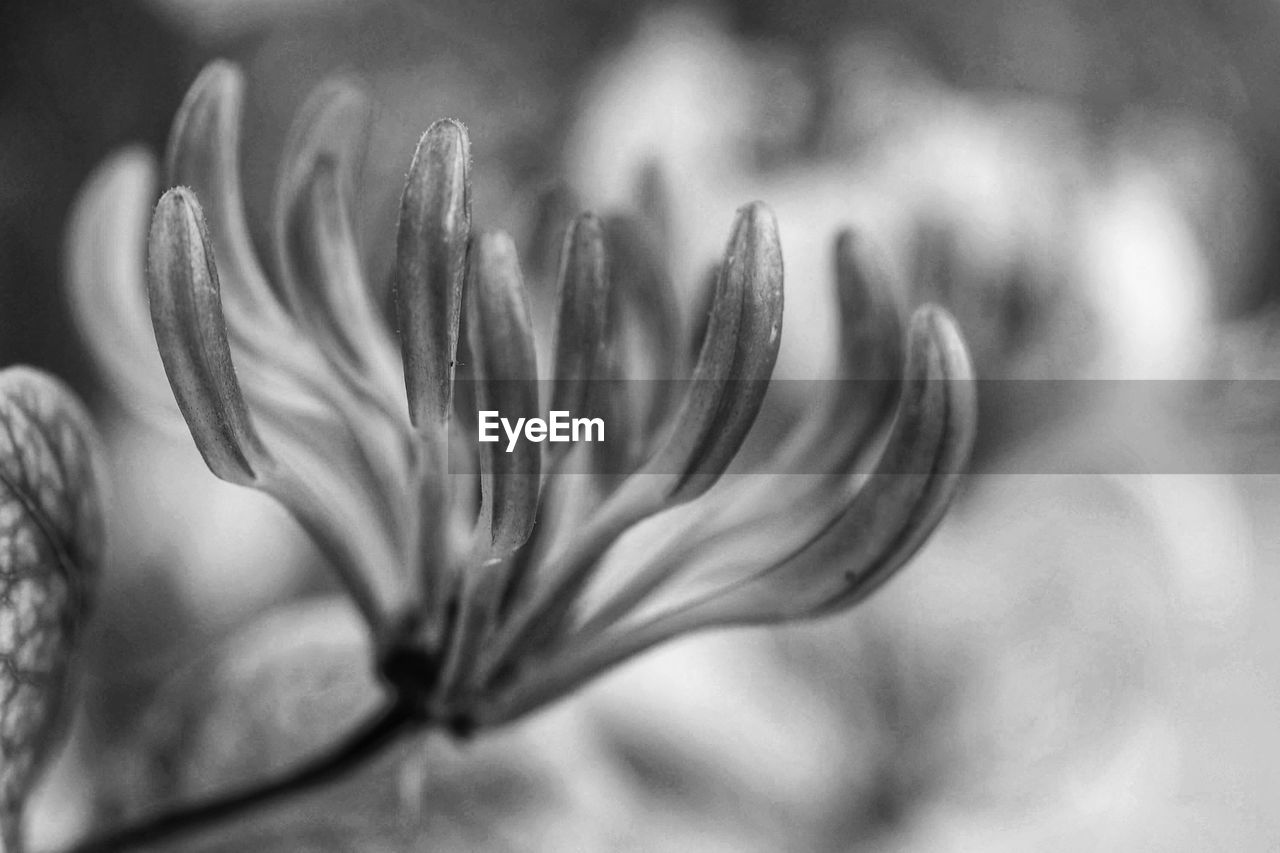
[
  {"x": 319, "y": 270},
  {"x": 500, "y": 334},
  {"x": 811, "y": 469},
  {"x": 500, "y": 340},
  {"x": 723, "y": 397},
  {"x": 876, "y": 533},
  {"x": 311, "y": 466},
  {"x": 107, "y": 281},
  {"x": 204, "y": 154},
  {"x": 893, "y": 511},
  {"x": 431, "y": 249},
  {"x": 186, "y": 310},
  {"x": 734, "y": 366},
  {"x": 582, "y": 315},
  {"x": 872, "y": 355},
  {"x": 754, "y": 254},
  {"x": 643, "y": 340}
]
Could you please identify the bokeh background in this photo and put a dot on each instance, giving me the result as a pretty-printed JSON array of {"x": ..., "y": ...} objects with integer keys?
[{"x": 1076, "y": 661}]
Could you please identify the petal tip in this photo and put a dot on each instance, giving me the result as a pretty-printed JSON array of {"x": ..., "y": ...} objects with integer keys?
[
  {"x": 186, "y": 311},
  {"x": 934, "y": 324},
  {"x": 446, "y": 141}
]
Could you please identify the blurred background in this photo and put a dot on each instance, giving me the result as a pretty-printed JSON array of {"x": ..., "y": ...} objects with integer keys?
[{"x": 1076, "y": 661}]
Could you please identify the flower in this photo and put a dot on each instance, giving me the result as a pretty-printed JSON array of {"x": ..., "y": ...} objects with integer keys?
[{"x": 490, "y": 579}]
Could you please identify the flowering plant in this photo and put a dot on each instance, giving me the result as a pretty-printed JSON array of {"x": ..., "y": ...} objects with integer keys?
[{"x": 490, "y": 580}]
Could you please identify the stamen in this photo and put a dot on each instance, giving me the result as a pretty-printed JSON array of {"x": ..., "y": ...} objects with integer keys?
[
  {"x": 186, "y": 310},
  {"x": 755, "y": 255},
  {"x": 580, "y": 324},
  {"x": 320, "y": 273},
  {"x": 500, "y": 334},
  {"x": 204, "y": 154},
  {"x": 431, "y": 247}
]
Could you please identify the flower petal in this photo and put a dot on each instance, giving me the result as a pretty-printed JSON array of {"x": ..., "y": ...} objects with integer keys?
[
  {"x": 902, "y": 503},
  {"x": 107, "y": 281},
  {"x": 346, "y": 469},
  {"x": 500, "y": 334},
  {"x": 204, "y": 154},
  {"x": 318, "y": 262},
  {"x": 881, "y": 528},
  {"x": 580, "y": 322},
  {"x": 872, "y": 355},
  {"x": 431, "y": 248},
  {"x": 186, "y": 310},
  {"x": 712, "y": 421},
  {"x": 500, "y": 339},
  {"x": 755, "y": 255},
  {"x": 314, "y": 468},
  {"x": 810, "y": 468},
  {"x": 822, "y": 557},
  {"x": 644, "y": 320},
  {"x": 736, "y": 361}
]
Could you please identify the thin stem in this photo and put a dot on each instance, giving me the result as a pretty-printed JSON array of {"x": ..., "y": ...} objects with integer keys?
[{"x": 382, "y": 729}]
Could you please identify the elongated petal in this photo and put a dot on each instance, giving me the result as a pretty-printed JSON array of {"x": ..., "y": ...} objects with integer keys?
[
  {"x": 872, "y": 355},
  {"x": 703, "y": 306},
  {"x": 107, "y": 281},
  {"x": 335, "y": 458},
  {"x": 431, "y": 248},
  {"x": 579, "y": 362},
  {"x": 643, "y": 295},
  {"x": 500, "y": 333},
  {"x": 204, "y": 154},
  {"x": 580, "y": 322},
  {"x": 319, "y": 476},
  {"x": 579, "y": 388},
  {"x": 319, "y": 267},
  {"x": 883, "y": 526},
  {"x": 500, "y": 339},
  {"x": 186, "y": 310},
  {"x": 705, "y": 433},
  {"x": 824, "y": 555},
  {"x": 917, "y": 476},
  {"x": 644, "y": 322},
  {"x": 827, "y": 449},
  {"x": 736, "y": 361},
  {"x": 755, "y": 256},
  {"x": 339, "y": 332},
  {"x": 706, "y": 389}
]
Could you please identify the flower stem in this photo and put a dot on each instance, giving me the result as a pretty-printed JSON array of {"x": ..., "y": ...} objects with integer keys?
[{"x": 382, "y": 729}]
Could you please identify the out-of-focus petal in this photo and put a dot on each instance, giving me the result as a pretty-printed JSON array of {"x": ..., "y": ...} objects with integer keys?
[
  {"x": 581, "y": 317},
  {"x": 204, "y": 154},
  {"x": 318, "y": 263},
  {"x": 107, "y": 281}
]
